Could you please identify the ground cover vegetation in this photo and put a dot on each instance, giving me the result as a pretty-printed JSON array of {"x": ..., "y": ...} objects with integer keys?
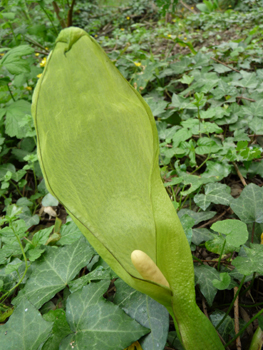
[{"x": 199, "y": 66}]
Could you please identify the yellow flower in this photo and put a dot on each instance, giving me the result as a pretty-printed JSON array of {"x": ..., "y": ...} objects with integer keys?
[
  {"x": 229, "y": 6},
  {"x": 179, "y": 35},
  {"x": 174, "y": 20},
  {"x": 96, "y": 35},
  {"x": 46, "y": 48},
  {"x": 122, "y": 28},
  {"x": 39, "y": 75},
  {"x": 185, "y": 38},
  {"x": 43, "y": 62},
  {"x": 183, "y": 9},
  {"x": 127, "y": 17},
  {"x": 169, "y": 35},
  {"x": 37, "y": 54},
  {"x": 137, "y": 64},
  {"x": 192, "y": 8},
  {"x": 29, "y": 88},
  {"x": 2, "y": 54}
]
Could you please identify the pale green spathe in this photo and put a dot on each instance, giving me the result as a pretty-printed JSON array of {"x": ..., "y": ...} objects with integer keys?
[{"x": 98, "y": 150}]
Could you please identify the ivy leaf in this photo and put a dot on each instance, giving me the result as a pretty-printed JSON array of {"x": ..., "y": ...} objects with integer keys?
[
  {"x": 206, "y": 146},
  {"x": 216, "y": 245},
  {"x": 235, "y": 231},
  {"x": 49, "y": 200},
  {"x": 100, "y": 273},
  {"x": 256, "y": 125},
  {"x": 70, "y": 233},
  {"x": 214, "y": 193},
  {"x": 251, "y": 263},
  {"x": 147, "y": 312},
  {"x": 204, "y": 278},
  {"x": 14, "y": 113},
  {"x": 249, "y": 205},
  {"x": 254, "y": 109},
  {"x": 89, "y": 316},
  {"x": 224, "y": 281},
  {"x": 59, "y": 331},
  {"x": 25, "y": 329},
  {"x": 227, "y": 328},
  {"x": 201, "y": 235},
  {"x": 181, "y": 135},
  {"x": 49, "y": 275},
  {"x": 218, "y": 170},
  {"x": 249, "y": 80},
  {"x": 187, "y": 223},
  {"x": 180, "y": 66},
  {"x": 198, "y": 217}
]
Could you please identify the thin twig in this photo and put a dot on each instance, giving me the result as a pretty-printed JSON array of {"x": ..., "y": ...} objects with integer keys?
[
  {"x": 56, "y": 9},
  {"x": 70, "y": 12},
  {"x": 188, "y": 7},
  {"x": 35, "y": 43},
  {"x": 236, "y": 316},
  {"x": 246, "y": 98},
  {"x": 224, "y": 64},
  {"x": 214, "y": 219},
  {"x": 240, "y": 175}
]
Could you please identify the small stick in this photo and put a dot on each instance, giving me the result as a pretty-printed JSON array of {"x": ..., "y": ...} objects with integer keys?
[
  {"x": 236, "y": 315},
  {"x": 224, "y": 64},
  {"x": 240, "y": 175},
  {"x": 188, "y": 7},
  {"x": 246, "y": 98},
  {"x": 214, "y": 219}
]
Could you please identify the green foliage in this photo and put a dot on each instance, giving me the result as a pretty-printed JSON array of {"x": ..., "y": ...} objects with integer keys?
[{"x": 202, "y": 76}]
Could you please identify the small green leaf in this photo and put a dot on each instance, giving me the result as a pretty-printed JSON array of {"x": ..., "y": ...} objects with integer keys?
[
  {"x": 224, "y": 281},
  {"x": 49, "y": 200},
  {"x": 204, "y": 278},
  {"x": 251, "y": 263},
  {"x": 90, "y": 315},
  {"x": 59, "y": 331},
  {"x": 25, "y": 329},
  {"x": 249, "y": 205},
  {"x": 235, "y": 231}
]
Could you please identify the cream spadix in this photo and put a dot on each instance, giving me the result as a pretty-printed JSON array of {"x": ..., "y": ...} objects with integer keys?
[{"x": 147, "y": 268}]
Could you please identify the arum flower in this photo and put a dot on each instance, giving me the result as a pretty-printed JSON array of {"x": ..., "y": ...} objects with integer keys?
[{"x": 98, "y": 150}]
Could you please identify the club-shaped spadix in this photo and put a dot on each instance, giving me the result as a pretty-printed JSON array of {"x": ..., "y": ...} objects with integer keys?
[{"x": 98, "y": 150}]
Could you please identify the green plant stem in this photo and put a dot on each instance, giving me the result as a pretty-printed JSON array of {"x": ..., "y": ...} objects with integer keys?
[
  {"x": 12, "y": 96},
  {"x": 245, "y": 327},
  {"x": 220, "y": 257},
  {"x": 12, "y": 30},
  {"x": 200, "y": 166},
  {"x": 50, "y": 19},
  {"x": 35, "y": 178},
  {"x": 17, "y": 188},
  {"x": 231, "y": 305},
  {"x": 250, "y": 285}
]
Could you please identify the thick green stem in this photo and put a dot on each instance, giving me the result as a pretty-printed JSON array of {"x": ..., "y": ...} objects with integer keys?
[{"x": 194, "y": 328}]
